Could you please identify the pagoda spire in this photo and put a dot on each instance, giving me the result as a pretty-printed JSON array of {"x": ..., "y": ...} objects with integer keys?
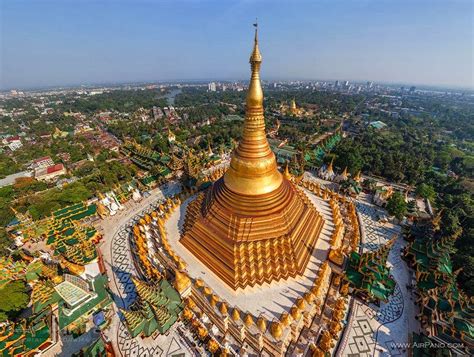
[{"x": 253, "y": 169}]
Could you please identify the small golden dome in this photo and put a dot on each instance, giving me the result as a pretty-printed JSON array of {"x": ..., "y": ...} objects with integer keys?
[
  {"x": 295, "y": 313},
  {"x": 202, "y": 332},
  {"x": 235, "y": 314},
  {"x": 181, "y": 281},
  {"x": 309, "y": 297},
  {"x": 212, "y": 345},
  {"x": 285, "y": 319},
  {"x": 187, "y": 313},
  {"x": 262, "y": 324},
  {"x": 181, "y": 264},
  {"x": 190, "y": 303},
  {"x": 300, "y": 304},
  {"x": 142, "y": 221},
  {"x": 207, "y": 290},
  {"x": 248, "y": 320},
  {"x": 276, "y": 330},
  {"x": 214, "y": 300},
  {"x": 199, "y": 283},
  {"x": 136, "y": 230},
  {"x": 223, "y": 308}
]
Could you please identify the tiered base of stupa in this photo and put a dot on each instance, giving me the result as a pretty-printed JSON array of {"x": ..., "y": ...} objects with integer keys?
[{"x": 252, "y": 240}]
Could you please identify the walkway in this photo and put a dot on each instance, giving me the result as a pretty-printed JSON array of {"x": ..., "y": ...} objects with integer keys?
[
  {"x": 118, "y": 261},
  {"x": 380, "y": 331}
]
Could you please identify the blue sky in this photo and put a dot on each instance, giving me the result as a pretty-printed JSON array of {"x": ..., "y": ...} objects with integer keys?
[{"x": 62, "y": 42}]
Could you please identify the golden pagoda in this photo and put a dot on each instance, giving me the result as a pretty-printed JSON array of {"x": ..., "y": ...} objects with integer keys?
[
  {"x": 293, "y": 109},
  {"x": 252, "y": 226}
]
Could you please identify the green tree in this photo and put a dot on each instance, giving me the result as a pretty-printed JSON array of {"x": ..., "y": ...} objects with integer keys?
[
  {"x": 426, "y": 191},
  {"x": 396, "y": 205},
  {"x": 14, "y": 298}
]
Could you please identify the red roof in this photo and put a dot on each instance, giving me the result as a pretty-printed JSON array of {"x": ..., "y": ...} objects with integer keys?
[
  {"x": 54, "y": 168},
  {"x": 45, "y": 158},
  {"x": 13, "y": 138}
]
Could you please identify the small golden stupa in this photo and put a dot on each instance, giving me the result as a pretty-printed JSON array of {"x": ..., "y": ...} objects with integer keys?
[
  {"x": 293, "y": 109},
  {"x": 252, "y": 226}
]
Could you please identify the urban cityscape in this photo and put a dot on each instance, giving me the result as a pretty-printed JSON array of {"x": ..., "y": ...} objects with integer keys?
[{"x": 235, "y": 217}]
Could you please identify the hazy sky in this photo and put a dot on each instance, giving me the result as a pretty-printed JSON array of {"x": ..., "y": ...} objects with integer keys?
[{"x": 60, "y": 42}]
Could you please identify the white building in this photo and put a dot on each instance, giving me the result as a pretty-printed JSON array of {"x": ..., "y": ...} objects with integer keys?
[{"x": 212, "y": 87}]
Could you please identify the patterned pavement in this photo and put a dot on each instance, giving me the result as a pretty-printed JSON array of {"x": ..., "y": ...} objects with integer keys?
[
  {"x": 170, "y": 344},
  {"x": 375, "y": 331}
]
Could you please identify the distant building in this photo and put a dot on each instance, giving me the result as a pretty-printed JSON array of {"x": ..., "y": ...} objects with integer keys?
[
  {"x": 50, "y": 172},
  {"x": 211, "y": 87},
  {"x": 42, "y": 162},
  {"x": 378, "y": 124},
  {"x": 13, "y": 142}
]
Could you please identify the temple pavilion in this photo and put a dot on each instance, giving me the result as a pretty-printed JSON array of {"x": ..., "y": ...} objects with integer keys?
[
  {"x": 368, "y": 274},
  {"x": 156, "y": 309},
  {"x": 446, "y": 312}
]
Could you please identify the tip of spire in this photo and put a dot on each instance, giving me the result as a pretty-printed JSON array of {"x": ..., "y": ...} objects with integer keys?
[{"x": 256, "y": 56}]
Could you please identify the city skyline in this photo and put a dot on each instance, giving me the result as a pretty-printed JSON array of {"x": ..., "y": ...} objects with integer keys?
[{"x": 92, "y": 42}]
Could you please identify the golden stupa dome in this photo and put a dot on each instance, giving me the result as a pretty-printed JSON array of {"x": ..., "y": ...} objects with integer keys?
[
  {"x": 181, "y": 264},
  {"x": 300, "y": 304},
  {"x": 181, "y": 281},
  {"x": 136, "y": 230},
  {"x": 262, "y": 324},
  {"x": 295, "y": 313},
  {"x": 213, "y": 300},
  {"x": 223, "y": 308},
  {"x": 212, "y": 345},
  {"x": 224, "y": 353},
  {"x": 285, "y": 319},
  {"x": 207, "y": 290},
  {"x": 235, "y": 314},
  {"x": 309, "y": 297},
  {"x": 199, "y": 283},
  {"x": 202, "y": 332},
  {"x": 276, "y": 329},
  {"x": 190, "y": 303},
  {"x": 248, "y": 320},
  {"x": 187, "y": 313},
  {"x": 252, "y": 189}
]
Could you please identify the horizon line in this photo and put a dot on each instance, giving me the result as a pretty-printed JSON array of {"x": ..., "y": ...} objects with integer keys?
[{"x": 207, "y": 80}]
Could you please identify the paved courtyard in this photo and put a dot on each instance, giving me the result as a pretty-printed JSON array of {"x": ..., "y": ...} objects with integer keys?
[
  {"x": 373, "y": 330},
  {"x": 116, "y": 252}
]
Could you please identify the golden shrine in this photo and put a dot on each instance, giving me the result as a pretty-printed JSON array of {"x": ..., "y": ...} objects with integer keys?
[{"x": 253, "y": 225}]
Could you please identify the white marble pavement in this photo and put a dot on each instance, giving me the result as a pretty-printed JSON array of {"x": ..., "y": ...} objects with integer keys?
[
  {"x": 118, "y": 261},
  {"x": 381, "y": 331}
]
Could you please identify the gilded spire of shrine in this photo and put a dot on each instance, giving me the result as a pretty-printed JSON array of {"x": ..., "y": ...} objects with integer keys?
[
  {"x": 252, "y": 211},
  {"x": 253, "y": 169}
]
